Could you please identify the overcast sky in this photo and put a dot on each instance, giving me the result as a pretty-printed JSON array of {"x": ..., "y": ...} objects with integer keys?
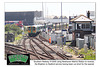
[{"x": 52, "y": 8}]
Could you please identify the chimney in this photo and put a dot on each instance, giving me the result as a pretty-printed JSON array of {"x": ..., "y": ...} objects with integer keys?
[{"x": 88, "y": 14}]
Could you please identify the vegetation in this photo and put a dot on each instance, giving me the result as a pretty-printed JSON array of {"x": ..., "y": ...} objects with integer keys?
[
  {"x": 90, "y": 55},
  {"x": 68, "y": 42},
  {"x": 70, "y": 50},
  {"x": 13, "y": 28},
  {"x": 18, "y": 37}
]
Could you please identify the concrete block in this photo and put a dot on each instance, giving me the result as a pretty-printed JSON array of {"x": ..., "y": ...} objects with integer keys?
[
  {"x": 85, "y": 48},
  {"x": 53, "y": 37},
  {"x": 86, "y": 39},
  {"x": 81, "y": 43},
  {"x": 70, "y": 37},
  {"x": 59, "y": 41},
  {"x": 77, "y": 42}
]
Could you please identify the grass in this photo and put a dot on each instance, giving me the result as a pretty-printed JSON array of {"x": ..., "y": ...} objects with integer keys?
[
  {"x": 18, "y": 37},
  {"x": 25, "y": 32},
  {"x": 68, "y": 42},
  {"x": 70, "y": 50},
  {"x": 90, "y": 55}
]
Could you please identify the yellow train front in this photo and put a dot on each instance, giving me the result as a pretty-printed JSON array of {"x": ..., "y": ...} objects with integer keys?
[{"x": 34, "y": 30}]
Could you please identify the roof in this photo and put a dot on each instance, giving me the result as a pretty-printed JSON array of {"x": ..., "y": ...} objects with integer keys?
[
  {"x": 57, "y": 20},
  {"x": 81, "y": 18},
  {"x": 34, "y": 25},
  {"x": 22, "y": 11}
]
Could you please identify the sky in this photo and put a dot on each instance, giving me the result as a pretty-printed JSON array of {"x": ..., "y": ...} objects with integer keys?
[{"x": 53, "y": 8}]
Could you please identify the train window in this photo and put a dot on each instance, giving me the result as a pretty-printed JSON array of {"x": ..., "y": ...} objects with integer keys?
[
  {"x": 33, "y": 28},
  {"x": 29, "y": 28}
]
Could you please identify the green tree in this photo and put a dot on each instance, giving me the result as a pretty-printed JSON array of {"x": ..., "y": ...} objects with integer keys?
[
  {"x": 7, "y": 27},
  {"x": 13, "y": 28}
]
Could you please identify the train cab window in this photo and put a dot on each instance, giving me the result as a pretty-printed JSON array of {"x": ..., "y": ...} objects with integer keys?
[
  {"x": 29, "y": 28},
  {"x": 33, "y": 28}
]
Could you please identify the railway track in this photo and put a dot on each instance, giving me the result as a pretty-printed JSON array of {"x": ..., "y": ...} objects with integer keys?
[
  {"x": 18, "y": 50},
  {"x": 38, "y": 50},
  {"x": 43, "y": 39},
  {"x": 57, "y": 53}
]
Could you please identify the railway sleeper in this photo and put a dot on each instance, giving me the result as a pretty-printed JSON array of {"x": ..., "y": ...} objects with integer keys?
[
  {"x": 29, "y": 51},
  {"x": 61, "y": 55},
  {"x": 18, "y": 51},
  {"x": 43, "y": 49}
]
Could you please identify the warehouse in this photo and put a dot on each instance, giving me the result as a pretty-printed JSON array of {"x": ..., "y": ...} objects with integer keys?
[{"x": 26, "y": 16}]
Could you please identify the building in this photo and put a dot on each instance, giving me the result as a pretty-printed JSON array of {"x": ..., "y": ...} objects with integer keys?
[
  {"x": 27, "y": 17},
  {"x": 55, "y": 21},
  {"x": 70, "y": 23},
  {"x": 81, "y": 25},
  {"x": 18, "y": 23},
  {"x": 92, "y": 16}
]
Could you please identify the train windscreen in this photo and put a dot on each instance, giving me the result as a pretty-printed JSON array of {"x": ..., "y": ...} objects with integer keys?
[
  {"x": 33, "y": 28},
  {"x": 29, "y": 28}
]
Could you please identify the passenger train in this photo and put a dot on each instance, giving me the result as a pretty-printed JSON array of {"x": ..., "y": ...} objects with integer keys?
[{"x": 34, "y": 30}]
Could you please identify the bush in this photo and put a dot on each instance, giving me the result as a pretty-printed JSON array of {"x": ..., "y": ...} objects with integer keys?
[
  {"x": 7, "y": 27},
  {"x": 13, "y": 28}
]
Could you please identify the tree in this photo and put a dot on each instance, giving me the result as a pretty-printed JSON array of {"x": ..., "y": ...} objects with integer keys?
[
  {"x": 7, "y": 27},
  {"x": 13, "y": 28}
]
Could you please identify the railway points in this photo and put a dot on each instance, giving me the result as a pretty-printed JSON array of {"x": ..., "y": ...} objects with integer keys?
[{"x": 38, "y": 49}]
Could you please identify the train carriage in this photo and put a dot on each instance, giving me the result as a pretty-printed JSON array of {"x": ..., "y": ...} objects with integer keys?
[{"x": 34, "y": 30}]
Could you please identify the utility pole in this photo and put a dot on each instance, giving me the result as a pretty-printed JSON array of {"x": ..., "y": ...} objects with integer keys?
[
  {"x": 61, "y": 27},
  {"x": 61, "y": 17},
  {"x": 42, "y": 11}
]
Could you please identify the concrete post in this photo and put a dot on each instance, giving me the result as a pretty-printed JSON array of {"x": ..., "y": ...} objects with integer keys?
[{"x": 85, "y": 48}]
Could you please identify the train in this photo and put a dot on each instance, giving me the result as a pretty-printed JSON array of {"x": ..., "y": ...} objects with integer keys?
[{"x": 34, "y": 30}]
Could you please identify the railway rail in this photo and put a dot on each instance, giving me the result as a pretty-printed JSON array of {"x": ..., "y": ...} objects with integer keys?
[
  {"x": 38, "y": 50},
  {"x": 59, "y": 54}
]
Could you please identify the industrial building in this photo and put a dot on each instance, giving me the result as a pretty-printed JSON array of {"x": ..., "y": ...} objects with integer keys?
[{"x": 27, "y": 17}]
